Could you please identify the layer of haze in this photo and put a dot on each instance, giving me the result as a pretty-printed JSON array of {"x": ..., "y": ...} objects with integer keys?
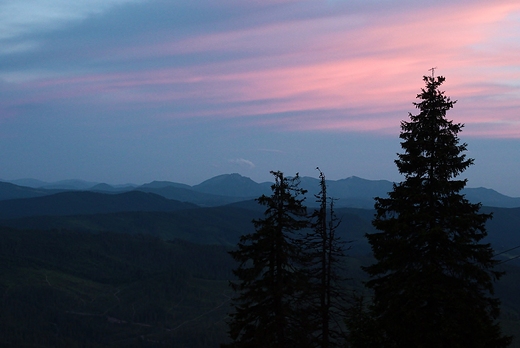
[{"x": 124, "y": 91}]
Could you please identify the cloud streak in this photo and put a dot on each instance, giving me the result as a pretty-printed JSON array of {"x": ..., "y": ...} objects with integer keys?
[
  {"x": 242, "y": 162},
  {"x": 194, "y": 82},
  {"x": 359, "y": 64}
]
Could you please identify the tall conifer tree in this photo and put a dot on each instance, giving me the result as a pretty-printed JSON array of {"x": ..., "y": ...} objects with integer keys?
[
  {"x": 433, "y": 279},
  {"x": 325, "y": 293},
  {"x": 270, "y": 281}
]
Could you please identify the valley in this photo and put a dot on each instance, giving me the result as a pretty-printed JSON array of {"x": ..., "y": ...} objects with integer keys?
[{"x": 135, "y": 267}]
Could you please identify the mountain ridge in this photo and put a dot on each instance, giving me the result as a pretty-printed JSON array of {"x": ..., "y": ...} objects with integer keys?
[
  {"x": 228, "y": 188},
  {"x": 87, "y": 202}
]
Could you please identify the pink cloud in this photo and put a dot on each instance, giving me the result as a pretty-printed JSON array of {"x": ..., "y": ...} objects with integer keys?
[{"x": 369, "y": 64}]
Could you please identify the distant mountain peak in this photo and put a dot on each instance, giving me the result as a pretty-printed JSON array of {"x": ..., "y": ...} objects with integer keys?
[
  {"x": 234, "y": 185},
  {"x": 226, "y": 188},
  {"x": 233, "y": 177},
  {"x": 102, "y": 188},
  {"x": 226, "y": 177}
]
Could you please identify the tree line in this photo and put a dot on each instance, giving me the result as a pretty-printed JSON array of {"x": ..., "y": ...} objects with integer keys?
[{"x": 431, "y": 284}]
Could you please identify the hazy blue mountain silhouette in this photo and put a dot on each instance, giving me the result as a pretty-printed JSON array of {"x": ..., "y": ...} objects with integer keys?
[
  {"x": 72, "y": 184},
  {"x": 12, "y": 191},
  {"x": 189, "y": 195},
  {"x": 106, "y": 188},
  {"x": 491, "y": 198},
  {"x": 358, "y": 192},
  {"x": 164, "y": 184},
  {"x": 229, "y": 188},
  {"x": 27, "y": 182},
  {"x": 233, "y": 185}
]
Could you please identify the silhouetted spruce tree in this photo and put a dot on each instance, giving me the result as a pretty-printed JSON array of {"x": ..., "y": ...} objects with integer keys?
[
  {"x": 270, "y": 280},
  {"x": 433, "y": 279},
  {"x": 325, "y": 294}
]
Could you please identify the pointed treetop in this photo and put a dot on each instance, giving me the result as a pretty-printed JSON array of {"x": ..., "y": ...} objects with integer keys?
[{"x": 433, "y": 71}]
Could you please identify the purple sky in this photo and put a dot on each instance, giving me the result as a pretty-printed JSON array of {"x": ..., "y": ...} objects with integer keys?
[{"x": 124, "y": 91}]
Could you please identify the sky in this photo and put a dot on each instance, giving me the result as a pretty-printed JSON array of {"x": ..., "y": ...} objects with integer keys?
[{"x": 131, "y": 91}]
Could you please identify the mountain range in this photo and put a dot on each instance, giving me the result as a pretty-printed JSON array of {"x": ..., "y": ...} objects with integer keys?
[
  {"x": 93, "y": 264},
  {"x": 217, "y": 211},
  {"x": 230, "y": 188}
]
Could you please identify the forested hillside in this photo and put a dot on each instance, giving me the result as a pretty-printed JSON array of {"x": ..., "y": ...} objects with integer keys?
[
  {"x": 72, "y": 289},
  {"x": 106, "y": 276},
  {"x": 75, "y": 289}
]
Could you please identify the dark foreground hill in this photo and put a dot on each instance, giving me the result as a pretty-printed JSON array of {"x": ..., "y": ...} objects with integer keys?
[
  {"x": 219, "y": 225},
  {"x": 70, "y": 289},
  {"x": 215, "y": 225},
  {"x": 86, "y": 269},
  {"x": 73, "y": 289},
  {"x": 224, "y": 225},
  {"x": 85, "y": 202},
  {"x": 188, "y": 195}
]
